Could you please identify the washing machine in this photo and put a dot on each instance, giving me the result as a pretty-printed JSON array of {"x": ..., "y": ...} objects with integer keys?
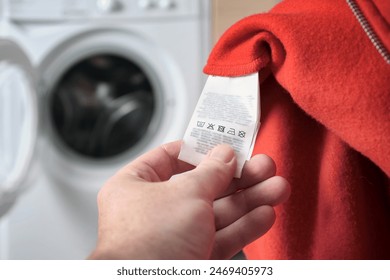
[{"x": 85, "y": 87}]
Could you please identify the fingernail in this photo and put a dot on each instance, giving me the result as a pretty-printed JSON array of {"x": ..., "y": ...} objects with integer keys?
[{"x": 222, "y": 152}]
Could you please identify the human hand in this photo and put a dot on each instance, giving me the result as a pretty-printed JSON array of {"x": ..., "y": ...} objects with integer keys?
[{"x": 201, "y": 213}]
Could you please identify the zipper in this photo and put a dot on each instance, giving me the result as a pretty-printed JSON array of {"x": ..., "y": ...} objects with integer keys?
[{"x": 369, "y": 31}]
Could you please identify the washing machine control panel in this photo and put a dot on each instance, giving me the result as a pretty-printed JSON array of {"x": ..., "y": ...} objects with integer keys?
[
  {"x": 157, "y": 4},
  {"x": 108, "y": 6},
  {"x": 60, "y": 10}
]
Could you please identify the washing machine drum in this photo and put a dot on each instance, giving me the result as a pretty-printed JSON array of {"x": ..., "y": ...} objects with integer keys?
[{"x": 102, "y": 106}]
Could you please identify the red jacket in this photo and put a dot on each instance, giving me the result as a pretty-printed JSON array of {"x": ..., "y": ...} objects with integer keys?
[{"x": 325, "y": 93}]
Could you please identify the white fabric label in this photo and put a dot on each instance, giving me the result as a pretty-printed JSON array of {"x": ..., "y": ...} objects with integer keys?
[{"x": 228, "y": 111}]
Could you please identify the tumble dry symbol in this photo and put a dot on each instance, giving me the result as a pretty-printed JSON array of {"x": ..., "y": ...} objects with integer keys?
[{"x": 221, "y": 128}]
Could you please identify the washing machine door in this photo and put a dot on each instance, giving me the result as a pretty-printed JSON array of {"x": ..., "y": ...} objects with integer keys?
[{"x": 18, "y": 121}]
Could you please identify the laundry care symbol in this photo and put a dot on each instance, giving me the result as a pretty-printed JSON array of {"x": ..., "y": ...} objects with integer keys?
[
  {"x": 211, "y": 126},
  {"x": 231, "y": 131},
  {"x": 241, "y": 134},
  {"x": 221, "y": 128},
  {"x": 200, "y": 124}
]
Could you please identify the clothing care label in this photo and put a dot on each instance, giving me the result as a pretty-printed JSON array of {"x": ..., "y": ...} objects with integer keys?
[{"x": 228, "y": 111}]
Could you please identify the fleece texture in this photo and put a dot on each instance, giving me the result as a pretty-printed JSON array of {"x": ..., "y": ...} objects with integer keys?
[{"x": 325, "y": 98}]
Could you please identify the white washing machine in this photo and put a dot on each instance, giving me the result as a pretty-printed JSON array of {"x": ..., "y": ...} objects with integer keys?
[{"x": 86, "y": 86}]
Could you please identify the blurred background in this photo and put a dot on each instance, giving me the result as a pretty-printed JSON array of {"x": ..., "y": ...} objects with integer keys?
[{"x": 86, "y": 86}]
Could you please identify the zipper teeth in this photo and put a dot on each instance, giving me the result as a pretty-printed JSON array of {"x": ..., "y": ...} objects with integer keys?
[{"x": 369, "y": 31}]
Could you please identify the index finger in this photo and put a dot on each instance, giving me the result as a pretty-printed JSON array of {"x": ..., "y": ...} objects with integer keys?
[
  {"x": 259, "y": 168},
  {"x": 159, "y": 164}
]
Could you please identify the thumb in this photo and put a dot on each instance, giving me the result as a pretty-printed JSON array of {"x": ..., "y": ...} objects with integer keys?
[{"x": 213, "y": 175}]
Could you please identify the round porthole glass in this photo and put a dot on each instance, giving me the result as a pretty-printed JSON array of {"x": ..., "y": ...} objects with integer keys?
[{"x": 102, "y": 106}]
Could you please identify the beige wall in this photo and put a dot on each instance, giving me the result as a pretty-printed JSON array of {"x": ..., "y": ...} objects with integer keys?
[{"x": 227, "y": 12}]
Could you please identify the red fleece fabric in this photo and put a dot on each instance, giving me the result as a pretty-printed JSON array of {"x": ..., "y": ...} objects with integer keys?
[{"x": 325, "y": 93}]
